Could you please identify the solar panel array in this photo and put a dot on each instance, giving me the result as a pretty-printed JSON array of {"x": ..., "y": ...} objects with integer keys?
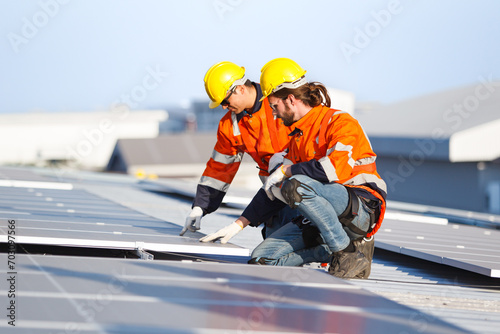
[
  {"x": 467, "y": 247},
  {"x": 108, "y": 295},
  {"x": 55, "y": 213},
  {"x": 115, "y": 295}
]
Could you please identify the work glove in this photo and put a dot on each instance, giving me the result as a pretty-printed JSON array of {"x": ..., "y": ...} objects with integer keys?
[
  {"x": 277, "y": 193},
  {"x": 193, "y": 220},
  {"x": 224, "y": 234},
  {"x": 276, "y": 161},
  {"x": 273, "y": 180}
]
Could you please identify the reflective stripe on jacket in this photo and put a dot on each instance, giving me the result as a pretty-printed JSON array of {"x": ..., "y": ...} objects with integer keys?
[
  {"x": 338, "y": 142},
  {"x": 258, "y": 134}
]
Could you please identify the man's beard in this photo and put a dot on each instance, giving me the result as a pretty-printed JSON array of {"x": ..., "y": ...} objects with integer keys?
[{"x": 287, "y": 117}]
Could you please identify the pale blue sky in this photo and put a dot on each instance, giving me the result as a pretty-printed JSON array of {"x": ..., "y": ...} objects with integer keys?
[{"x": 84, "y": 55}]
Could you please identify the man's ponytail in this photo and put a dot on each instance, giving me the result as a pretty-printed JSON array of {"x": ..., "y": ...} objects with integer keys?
[{"x": 312, "y": 94}]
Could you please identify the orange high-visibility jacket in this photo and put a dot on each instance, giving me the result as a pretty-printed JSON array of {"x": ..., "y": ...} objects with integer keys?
[
  {"x": 256, "y": 133},
  {"x": 338, "y": 143}
]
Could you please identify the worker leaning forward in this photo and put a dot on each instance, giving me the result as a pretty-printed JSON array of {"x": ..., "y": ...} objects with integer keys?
[
  {"x": 248, "y": 127},
  {"x": 329, "y": 174}
]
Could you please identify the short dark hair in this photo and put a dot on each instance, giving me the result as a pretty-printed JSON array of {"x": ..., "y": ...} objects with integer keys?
[{"x": 248, "y": 83}]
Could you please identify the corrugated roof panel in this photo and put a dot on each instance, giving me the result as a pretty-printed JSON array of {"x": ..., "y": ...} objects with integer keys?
[{"x": 469, "y": 300}]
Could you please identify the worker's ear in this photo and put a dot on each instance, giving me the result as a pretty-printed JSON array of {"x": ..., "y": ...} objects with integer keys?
[
  {"x": 239, "y": 89},
  {"x": 291, "y": 99}
]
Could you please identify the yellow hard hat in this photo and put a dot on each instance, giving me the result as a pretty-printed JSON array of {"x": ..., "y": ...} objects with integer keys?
[
  {"x": 220, "y": 78},
  {"x": 281, "y": 73}
]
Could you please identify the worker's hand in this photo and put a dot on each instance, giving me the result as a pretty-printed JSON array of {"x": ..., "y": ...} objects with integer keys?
[
  {"x": 193, "y": 220},
  {"x": 277, "y": 193},
  {"x": 275, "y": 161},
  {"x": 272, "y": 180},
  {"x": 224, "y": 234}
]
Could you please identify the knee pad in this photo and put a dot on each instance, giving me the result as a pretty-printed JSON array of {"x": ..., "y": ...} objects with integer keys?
[{"x": 290, "y": 194}]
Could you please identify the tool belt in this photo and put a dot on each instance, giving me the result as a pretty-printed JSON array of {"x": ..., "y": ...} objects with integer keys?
[{"x": 352, "y": 211}]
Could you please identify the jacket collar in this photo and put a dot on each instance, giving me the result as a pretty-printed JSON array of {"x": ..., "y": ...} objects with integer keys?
[
  {"x": 256, "y": 106},
  {"x": 306, "y": 121}
]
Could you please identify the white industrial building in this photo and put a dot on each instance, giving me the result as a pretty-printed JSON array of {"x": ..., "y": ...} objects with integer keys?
[
  {"x": 440, "y": 149},
  {"x": 83, "y": 139}
]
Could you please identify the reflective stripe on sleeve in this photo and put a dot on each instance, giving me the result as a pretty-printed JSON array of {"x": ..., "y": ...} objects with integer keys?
[
  {"x": 365, "y": 178},
  {"x": 214, "y": 183},
  {"x": 339, "y": 147},
  {"x": 226, "y": 159},
  {"x": 330, "y": 171},
  {"x": 365, "y": 161}
]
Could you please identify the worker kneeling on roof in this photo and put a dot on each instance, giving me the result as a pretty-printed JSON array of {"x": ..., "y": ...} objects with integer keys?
[{"x": 328, "y": 174}]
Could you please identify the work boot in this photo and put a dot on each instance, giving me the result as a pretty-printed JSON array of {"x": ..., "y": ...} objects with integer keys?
[
  {"x": 348, "y": 264},
  {"x": 367, "y": 248}
]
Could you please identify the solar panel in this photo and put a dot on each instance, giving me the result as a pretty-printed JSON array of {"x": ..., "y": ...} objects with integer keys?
[
  {"x": 467, "y": 247},
  {"x": 23, "y": 174},
  {"x": 467, "y": 217},
  {"x": 109, "y": 295},
  {"x": 58, "y": 214}
]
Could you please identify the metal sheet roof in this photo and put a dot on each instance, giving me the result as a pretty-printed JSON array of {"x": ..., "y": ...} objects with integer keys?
[
  {"x": 438, "y": 115},
  {"x": 466, "y": 299},
  {"x": 439, "y": 124}
]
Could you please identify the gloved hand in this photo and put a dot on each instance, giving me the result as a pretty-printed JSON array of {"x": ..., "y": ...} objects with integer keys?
[
  {"x": 275, "y": 161},
  {"x": 224, "y": 234},
  {"x": 277, "y": 193},
  {"x": 193, "y": 220},
  {"x": 276, "y": 177}
]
